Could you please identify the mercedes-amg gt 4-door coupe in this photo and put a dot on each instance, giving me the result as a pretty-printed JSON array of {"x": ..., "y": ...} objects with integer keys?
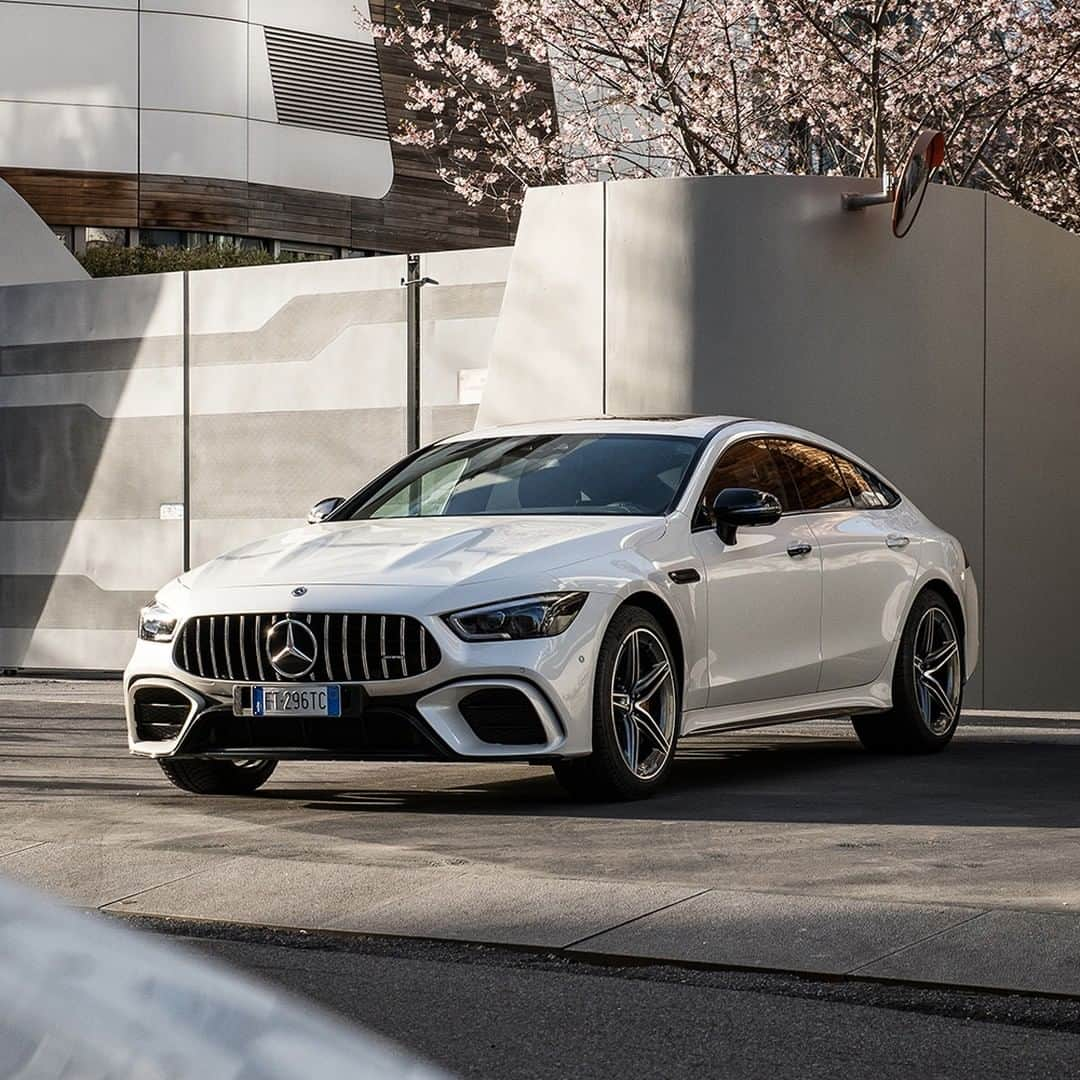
[{"x": 582, "y": 594}]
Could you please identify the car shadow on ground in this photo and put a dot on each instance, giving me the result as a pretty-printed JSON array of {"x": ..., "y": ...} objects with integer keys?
[{"x": 976, "y": 783}]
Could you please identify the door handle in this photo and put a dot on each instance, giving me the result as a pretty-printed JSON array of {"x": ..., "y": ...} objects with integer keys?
[
  {"x": 896, "y": 541},
  {"x": 796, "y": 550}
]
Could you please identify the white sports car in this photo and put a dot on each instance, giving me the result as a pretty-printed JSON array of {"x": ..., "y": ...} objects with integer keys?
[{"x": 581, "y": 593}]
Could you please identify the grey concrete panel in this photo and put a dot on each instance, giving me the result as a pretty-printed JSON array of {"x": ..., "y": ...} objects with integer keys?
[
  {"x": 277, "y": 464},
  {"x": 1013, "y": 950},
  {"x": 548, "y": 352},
  {"x": 90, "y": 447},
  {"x": 459, "y": 319},
  {"x": 304, "y": 326},
  {"x": 1032, "y": 447},
  {"x": 543, "y": 911},
  {"x": 297, "y": 392},
  {"x": 102, "y": 309},
  {"x": 29, "y": 251},
  {"x": 45, "y": 649},
  {"x": 89, "y": 547},
  {"x": 116, "y": 354},
  {"x": 65, "y": 461},
  {"x": 66, "y": 601},
  {"x": 792, "y": 933},
  {"x": 439, "y": 422},
  {"x": 480, "y": 301}
]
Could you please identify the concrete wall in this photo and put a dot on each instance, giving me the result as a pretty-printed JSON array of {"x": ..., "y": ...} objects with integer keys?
[
  {"x": 250, "y": 393},
  {"x": 460, "y": 317},
  {"x": 297, "y": 384},
  {"x": 950, "y": 359},
  {"x": 91, "y": 437}
]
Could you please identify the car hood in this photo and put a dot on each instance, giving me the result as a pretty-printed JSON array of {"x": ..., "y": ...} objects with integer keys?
[{"x": 432, "y": 551}]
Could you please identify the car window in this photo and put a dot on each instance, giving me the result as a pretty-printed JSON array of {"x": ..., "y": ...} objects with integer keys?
[
  {"x": 426, "y": 496},
  {"x": 867, "y": 491},
  {"x": 862, "y": 494},
  {"x": 536, "y": 474},
  {"x": 815, "y": 475},
  {"x": 747, "y": 464}
]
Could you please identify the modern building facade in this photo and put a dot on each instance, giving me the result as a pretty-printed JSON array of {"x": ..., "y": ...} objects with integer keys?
[{"x": 186, "y": 121}]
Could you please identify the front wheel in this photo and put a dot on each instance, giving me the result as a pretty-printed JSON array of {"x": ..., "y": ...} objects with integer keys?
[
  {"x": 218, "y": 777},
  {"x": 928, "y": 685},
  {"x": 636, "y": 706}
]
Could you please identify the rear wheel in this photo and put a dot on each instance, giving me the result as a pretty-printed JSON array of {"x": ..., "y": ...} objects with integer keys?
[
  {"x": 928, "y": 685},
  {"x": 218, "y": 777},
  {"x": 636, "y": 705}
]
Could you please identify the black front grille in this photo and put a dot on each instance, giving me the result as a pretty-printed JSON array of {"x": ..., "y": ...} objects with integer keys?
[
  {"x": 159, "y": 713},
  {"x": 502, "y": 715},
  {"x": 349, "y": 648}
]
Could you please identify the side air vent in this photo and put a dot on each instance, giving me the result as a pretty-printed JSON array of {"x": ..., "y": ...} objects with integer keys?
[{"x": 326, "y": 83}]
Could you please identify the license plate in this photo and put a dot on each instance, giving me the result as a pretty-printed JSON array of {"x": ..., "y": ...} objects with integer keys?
[{"x": 296, "y": 700}]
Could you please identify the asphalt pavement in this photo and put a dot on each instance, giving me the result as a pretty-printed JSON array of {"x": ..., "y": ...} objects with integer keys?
[
  {"x": 786, "y": 850},
  {"x": 482, "y": 1011}
]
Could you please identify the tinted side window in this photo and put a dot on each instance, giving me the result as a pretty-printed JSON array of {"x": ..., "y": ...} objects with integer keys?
[
  {"x": 748, "y": 464},
  {"x": 868, "y": 491},
  {"x": 862, "y": 494},
  {"x": 815, "y": 475}
]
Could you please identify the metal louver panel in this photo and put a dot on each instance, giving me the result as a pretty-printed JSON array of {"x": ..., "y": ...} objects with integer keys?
[
  {"x": 361, "y": 648},
  {"x": 326, "y": 83}
]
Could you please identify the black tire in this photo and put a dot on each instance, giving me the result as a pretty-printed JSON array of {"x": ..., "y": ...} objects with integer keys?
[
  {"x": 904, "y": 729},
  {"x": 217, "y": 777},
  {"x": 605, "y": 775}
]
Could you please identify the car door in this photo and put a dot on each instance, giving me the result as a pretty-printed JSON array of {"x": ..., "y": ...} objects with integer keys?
[
  {"x": 869, "y": 563},
  {"x": 764, "y": 593}
]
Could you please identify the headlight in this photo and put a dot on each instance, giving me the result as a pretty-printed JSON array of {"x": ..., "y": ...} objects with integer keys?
[
  {"x": 156, "y": 623},
  {"x": 513, "y": 620}
]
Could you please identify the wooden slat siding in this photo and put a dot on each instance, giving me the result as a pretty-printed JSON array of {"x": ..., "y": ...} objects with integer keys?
[
  {"x": 305, "y": 216},
  {"x": 420, "y": 212},
  {"x": 194, "y": 204},
  {"x": 77, "y": 198}
]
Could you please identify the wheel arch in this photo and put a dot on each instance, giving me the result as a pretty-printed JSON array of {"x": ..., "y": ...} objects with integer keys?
[
  {"x": 660, "y": 610},
  {"x": 956, "y": 608}
]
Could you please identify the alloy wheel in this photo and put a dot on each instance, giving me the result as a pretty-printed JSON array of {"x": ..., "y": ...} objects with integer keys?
[
  {"x": 644, "y": 703},
  {"x": 937, "y": 674}
]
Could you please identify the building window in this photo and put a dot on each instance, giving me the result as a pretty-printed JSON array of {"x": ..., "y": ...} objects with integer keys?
[
  {"x": 105, "y": 237},
  {"x": 307, "y": 252},
  {"x": 66, "y": 235},
  {"x": 162, "y": 238}
]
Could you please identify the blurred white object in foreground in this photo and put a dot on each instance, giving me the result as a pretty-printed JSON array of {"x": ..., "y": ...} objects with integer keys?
[{"x": 86, "y": 1000}]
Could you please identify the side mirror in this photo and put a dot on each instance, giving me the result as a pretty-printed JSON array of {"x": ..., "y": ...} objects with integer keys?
[
  {"x": 323, "y": 509},
  {"x": 735, "y": 507}
]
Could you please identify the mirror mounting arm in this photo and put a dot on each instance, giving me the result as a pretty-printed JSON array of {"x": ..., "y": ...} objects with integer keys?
[
  {"x": 727, "y": 533},
  {"x": 854, "y": 201}
]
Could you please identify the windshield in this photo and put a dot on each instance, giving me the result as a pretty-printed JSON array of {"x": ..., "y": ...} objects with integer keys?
[{"x": 534, "y": 474}]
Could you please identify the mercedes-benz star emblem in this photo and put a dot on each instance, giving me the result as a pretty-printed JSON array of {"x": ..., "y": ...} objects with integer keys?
[
  {"x": 300, "y": 590},
  {"x": 291, "y": 648}
]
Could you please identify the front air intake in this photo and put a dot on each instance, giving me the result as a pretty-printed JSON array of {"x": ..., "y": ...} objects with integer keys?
[
  {"x": 159, "y": 713},
  {"x": 503, "y": 716},
  {"x": 346, "y": 647}
]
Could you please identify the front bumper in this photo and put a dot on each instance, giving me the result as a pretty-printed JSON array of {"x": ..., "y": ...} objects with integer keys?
[{"x": 449, "y": 713}]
